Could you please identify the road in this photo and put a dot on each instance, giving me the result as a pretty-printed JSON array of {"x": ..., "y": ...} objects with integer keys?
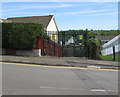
[{"x": 25, "y": 79}]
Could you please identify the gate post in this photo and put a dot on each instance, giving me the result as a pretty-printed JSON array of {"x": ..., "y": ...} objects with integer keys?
[
  {"x": 113, "y": 53},
  {"x": 63, "y": 43}
]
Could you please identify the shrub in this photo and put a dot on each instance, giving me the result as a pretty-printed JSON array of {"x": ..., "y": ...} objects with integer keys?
[
  {"x": 21, "y": 35},
  {"x": 94, "y": 48}
]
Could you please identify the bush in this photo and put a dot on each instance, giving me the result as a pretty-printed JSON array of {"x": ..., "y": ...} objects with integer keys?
[
  {"x": 94, "y": 48},
  {"x": 21, "y": 35}
]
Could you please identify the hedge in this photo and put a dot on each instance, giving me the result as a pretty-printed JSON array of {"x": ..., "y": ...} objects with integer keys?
[{"x": 21, "y": 35}]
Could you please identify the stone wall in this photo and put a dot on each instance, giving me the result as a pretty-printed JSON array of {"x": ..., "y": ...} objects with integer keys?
[{"x": 34, "y": 52}]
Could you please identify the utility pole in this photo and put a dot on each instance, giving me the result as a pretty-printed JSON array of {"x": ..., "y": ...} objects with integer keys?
[{"x": 113, "y": 53}]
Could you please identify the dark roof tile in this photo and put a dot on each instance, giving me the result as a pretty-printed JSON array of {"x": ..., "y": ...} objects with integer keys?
[
  {"x": 35, "y": 19},
  {"x": 104, "y": 37}
]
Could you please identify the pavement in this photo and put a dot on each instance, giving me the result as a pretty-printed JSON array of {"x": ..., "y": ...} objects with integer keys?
[{"x": 61, "y": 61}]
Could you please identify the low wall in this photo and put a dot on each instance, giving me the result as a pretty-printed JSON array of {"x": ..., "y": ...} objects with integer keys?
[
  {"x": 3, "y": 51},
  {"x": 34, "y": 52}
]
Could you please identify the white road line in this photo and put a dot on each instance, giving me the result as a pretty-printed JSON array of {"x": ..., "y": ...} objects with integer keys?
[
  {"x": 98, "y": 67},
  {"x": 98, "y": 90},
  {"x": 46, "y": 87}
]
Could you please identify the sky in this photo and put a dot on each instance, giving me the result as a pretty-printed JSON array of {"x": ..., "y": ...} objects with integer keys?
[{"x": 68, "y": 15}]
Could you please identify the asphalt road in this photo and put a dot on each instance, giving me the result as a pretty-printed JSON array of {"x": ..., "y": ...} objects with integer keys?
[{"x": 21, "y": 79}]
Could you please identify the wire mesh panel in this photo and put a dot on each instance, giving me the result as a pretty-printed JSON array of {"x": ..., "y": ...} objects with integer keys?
[{"x": 73, "y": 45}]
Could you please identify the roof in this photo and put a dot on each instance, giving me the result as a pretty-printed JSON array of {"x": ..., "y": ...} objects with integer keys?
[
  {"x": 104, "y": 37},
  {"x": 4, "y": 20},
  {"x": 35, "y": 19}
]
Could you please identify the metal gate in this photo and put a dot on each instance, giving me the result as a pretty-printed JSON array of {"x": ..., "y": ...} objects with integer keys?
[{"x": 73, "y": 45}]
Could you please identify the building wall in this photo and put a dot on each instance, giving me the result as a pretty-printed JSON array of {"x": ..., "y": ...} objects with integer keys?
[
  {"x": 108, "y": 47},
  {"x": 52, "y": 27},
  {"x": 109, "y": 51}
]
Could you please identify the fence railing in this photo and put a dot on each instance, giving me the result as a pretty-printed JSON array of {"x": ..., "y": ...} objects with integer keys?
[{"x": 49, "y": 47}]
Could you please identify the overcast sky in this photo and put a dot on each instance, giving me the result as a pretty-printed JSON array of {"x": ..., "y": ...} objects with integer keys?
[{"x": 68, "y": 15}]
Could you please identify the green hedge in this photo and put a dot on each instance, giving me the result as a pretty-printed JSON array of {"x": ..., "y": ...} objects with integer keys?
[{"x": 21, "y": 35}]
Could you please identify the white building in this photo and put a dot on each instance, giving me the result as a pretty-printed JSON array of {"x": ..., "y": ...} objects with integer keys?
[
  {"x": 4, "y": 20},
  {"x": 108, "y": 47},
  {"x": 71, "y": 40}
]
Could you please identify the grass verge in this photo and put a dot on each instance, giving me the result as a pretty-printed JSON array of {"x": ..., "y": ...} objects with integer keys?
[{"x": 110, "y": 58}]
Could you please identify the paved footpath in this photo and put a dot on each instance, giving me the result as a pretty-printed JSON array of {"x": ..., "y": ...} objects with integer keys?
[{"x": 61, "y": 61}]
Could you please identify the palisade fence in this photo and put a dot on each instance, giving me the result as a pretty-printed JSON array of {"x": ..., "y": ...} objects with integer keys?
[
  {"x": 49, "y": 46},
  {"x": 65, "y": 45}
]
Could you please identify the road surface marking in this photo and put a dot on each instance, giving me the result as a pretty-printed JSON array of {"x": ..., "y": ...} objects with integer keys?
[
  {"x": 98, "y": 67},
  {"x": 98, "y": 90},
  {"x": 57, "y": 66},
  {"x": 47, "y": 87}
]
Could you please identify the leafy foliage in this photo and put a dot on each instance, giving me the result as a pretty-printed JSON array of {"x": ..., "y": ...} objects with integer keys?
[
  {"x": 94, "y": 32},
  {"x": 105, "y": 32},
  {"x": 94, "y": 48},
  {"x": 21, "y": 35},
  {"x": 68, "y": 34}
]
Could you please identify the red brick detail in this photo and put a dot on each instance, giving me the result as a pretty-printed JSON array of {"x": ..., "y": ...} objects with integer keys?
[
  {"x": 48, "y": 47},
  {"x": 39, "y": 43}
]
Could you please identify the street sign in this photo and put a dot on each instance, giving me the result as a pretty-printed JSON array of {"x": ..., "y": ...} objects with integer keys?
[
  {"x": 53, "y": 37},
  {"x": 80, "y": 37}
]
